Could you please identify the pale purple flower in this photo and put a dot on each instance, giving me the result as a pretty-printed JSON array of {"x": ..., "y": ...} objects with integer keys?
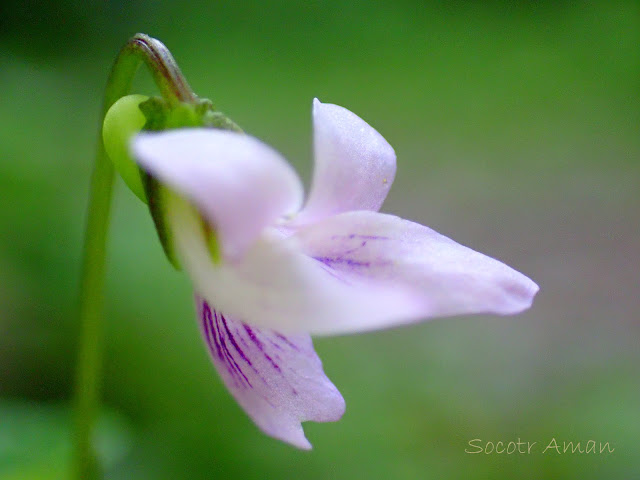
[{"x": 335, "y": 266}]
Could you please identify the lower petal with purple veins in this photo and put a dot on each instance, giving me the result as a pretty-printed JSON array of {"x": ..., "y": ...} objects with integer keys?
[
  {"x": 437, "y": 276},
  {"x": 278, "y": 380}
]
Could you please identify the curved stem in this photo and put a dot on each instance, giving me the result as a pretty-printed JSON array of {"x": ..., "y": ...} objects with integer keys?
[
  {"x": 175, "y": 89},
  {"x": 163, "y": 67}
]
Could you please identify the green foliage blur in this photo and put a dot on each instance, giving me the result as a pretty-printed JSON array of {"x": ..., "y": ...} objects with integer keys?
[{"x": 516, "y": 126}]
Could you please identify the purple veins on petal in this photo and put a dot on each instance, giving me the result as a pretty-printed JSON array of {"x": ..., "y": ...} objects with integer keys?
[
  {"x": 286, "y": 340},
  {"x": 278, "y": 396},
  {"x": 212, "y": 332},
  {"x": 364, "y": 237},
  {"x": 260, "y": 345},
  {"x": 413, "y": 275},
  {"x": 208, "y": 334},
  {"x": 229, "y": 356},
  {"x": 233, "y": 340},
  {"x": 343, "y": 261},
  {"x": 352, "y": 252}
]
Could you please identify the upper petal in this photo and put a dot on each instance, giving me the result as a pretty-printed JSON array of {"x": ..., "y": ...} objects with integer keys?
[
  {"x": 238, "y": 183},
  {"x": 277, "y": 379},
  {"x": 354, "y": 165}
]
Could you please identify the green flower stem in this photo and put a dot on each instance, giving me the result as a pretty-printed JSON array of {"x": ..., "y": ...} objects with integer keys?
[{"x": 174, "y": 89}]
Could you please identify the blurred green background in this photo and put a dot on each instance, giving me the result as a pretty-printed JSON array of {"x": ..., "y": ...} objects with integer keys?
[{"x": 517, "y": 129}]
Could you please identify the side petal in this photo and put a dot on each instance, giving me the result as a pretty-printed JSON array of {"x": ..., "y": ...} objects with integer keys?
[
  {"x": 278, "y": 380},
  {"x": 238, "y": 183},
  {"x": 354, "y": 165},
  {"x": 437, "y": 276}
]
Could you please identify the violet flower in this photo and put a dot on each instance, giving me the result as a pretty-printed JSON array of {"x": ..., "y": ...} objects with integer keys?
[{"x": 268, "y": 273}]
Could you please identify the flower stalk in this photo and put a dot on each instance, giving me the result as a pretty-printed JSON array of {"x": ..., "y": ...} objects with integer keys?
[{"x": 175, "y": 90}]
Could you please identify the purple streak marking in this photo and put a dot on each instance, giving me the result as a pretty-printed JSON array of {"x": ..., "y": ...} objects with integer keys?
[
  {"x": 287, "y": 341},
  {"x": 219, "y": 345},
  {"x": 233, "y": 340},
  {"x": 328, "y": 261},
  {"x": 228, "y": 354},
  {"x": 206, "y": 319},
  {"x": 364, "y": 237},
  {"x": 239, "y": 350},
  {"x": 275, "y": 345},
  {"x": 210, "y": 334},
  {"x": 260, "y": 345}
]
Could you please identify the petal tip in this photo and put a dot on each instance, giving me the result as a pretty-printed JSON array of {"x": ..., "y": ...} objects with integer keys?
[
  {"x": 533, "y": 291},
  {"x": 303, "y": 444},
  {"x": 522, "y": 295},
  {"x": 317, "y": 107}
]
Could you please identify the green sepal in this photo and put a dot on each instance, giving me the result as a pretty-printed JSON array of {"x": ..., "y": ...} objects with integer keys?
[
  {"x": 122, "y": 121},
  {"x": 162, "y": 116},
  {"x": 211, "y": 239},
  {"x": 155, "y": 111},
  {"x": 221, "y": 121},
  {"x": 159, "y": 199},
  {"x": 212, "y": 118},
  {"x": 157, "y": 195}
]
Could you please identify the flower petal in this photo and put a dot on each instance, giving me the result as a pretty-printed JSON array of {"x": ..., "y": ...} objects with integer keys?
[
  {"x": 438, "y": 276},
  {"x": 354, "y": 165},
  {"x": 238, "y": 183},
  {"x": 353, "y": 272},
  {"x": 278, "y": 380},
  {"x": 274, "y": 285}
]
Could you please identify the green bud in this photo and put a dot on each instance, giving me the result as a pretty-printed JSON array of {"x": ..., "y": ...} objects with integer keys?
[{"x": 124, "y": 120}]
